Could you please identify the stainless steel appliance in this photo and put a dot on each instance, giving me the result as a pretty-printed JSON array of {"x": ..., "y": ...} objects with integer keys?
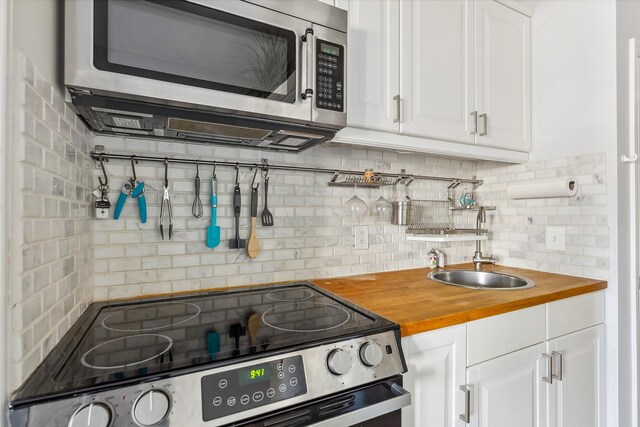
[
  {"x": 257, "y": 73},
  {"x": 204, "y": 360}
]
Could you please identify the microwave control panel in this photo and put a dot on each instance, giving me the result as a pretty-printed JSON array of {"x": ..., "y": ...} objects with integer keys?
[{"x": 330, "y": 76}]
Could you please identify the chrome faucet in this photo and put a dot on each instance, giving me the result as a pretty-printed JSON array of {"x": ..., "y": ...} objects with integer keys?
[{"x": 478, "y": 259}]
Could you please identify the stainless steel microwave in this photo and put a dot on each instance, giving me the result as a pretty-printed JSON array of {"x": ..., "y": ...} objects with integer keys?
[{"x": 257, "y": 73}]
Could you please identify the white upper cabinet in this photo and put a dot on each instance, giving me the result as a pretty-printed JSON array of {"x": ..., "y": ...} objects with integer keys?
[
  {"x": 441, "y": 75},
  {"x": 373, "y": 64},
  {"x": 437, "y": 57},
  {"x": 503, "y": 76}
]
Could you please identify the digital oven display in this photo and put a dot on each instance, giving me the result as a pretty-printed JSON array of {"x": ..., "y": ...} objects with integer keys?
[{"x": 254, "y": 375}]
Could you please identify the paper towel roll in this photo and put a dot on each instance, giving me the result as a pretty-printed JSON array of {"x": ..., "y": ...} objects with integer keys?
[{"x": 563, "y": 186}]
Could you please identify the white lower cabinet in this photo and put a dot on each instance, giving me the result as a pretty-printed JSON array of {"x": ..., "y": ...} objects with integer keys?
[
  {"x": 508, "y": 391},
  {"x": 576, "y": 396},
  {"x": 527, "y": 368},
  {"x": 436, "y": 362}
]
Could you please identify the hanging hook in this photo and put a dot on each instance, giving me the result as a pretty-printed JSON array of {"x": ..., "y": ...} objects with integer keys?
[
  {"x": 197, "y": 168},
  {"x": 255, "y": 173},
  {"x": 104, "y": 183},
  {"x": 237, "y": 172},
  {"x": 166, "y": 172},
  {"x": 214, "y": 170},
  {"x": 133, "y": 167}
]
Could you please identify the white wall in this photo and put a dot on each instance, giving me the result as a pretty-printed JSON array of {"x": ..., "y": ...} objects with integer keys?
[{"x": 573, "y": 78}]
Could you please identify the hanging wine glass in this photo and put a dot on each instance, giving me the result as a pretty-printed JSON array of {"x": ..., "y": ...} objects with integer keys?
[
  {"x": 356, "y": 209},
  {"x": 381, "y": 209}
]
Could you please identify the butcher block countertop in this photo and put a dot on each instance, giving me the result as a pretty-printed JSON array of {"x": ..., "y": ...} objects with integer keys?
[{"x": 418, "y": 304}]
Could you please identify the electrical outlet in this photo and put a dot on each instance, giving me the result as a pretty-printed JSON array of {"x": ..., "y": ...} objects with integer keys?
[
  {"x": 555, "y": 239},
  {"x": 361, "y": 233}
]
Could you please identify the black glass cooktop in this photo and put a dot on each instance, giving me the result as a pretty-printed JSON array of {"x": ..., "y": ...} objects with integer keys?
[{"x": 126, "y": 341}]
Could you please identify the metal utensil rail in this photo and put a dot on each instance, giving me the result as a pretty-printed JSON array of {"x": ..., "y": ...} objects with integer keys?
[{"x": 266, "y": 165}]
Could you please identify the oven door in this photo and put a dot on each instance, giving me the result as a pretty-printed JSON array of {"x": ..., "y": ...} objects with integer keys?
[
  {"x": 225, "y": 55},
  {"x": 374, "y": 405}
]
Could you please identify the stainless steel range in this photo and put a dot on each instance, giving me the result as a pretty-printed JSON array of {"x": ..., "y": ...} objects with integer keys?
[{"x": 290, "y": 355}]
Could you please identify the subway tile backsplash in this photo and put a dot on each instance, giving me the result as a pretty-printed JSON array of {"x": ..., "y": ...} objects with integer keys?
[
  {"x": 311, "y": 238},
  {"x": 518, "y": 226},
  {"x": 52, "y": 262}
]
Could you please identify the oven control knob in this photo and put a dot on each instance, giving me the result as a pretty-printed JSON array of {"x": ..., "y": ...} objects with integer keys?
[
  {"x": 92, "y": 415},
  {"x": 370, "y": 353},
  {"x": 339, "y": 362},
  {"x": 151, "y": 408}
]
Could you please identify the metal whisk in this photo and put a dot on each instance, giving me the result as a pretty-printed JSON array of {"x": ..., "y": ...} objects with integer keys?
[{"x": 196, "y": 208}]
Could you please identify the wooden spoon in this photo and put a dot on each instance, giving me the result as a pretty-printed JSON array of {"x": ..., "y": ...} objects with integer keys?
[{"x": 253, "y": 249}]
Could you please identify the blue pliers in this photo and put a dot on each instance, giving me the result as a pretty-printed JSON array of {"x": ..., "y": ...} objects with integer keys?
[{"x": 135, "y": 189}]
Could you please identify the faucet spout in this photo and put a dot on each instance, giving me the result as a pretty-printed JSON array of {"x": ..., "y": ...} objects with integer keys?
[{"x": 478, "y": 259}]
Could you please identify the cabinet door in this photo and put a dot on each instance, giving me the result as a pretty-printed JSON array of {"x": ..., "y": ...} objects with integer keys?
[
  {"x": 436, "y": 362},
  {"x": 576, "y": 398},
  {"x": 437, "y": 76},
  {"x": 507, "y": 391},
  {"x": 373, "y": 63},
  {"x": 503, "y": 78}
]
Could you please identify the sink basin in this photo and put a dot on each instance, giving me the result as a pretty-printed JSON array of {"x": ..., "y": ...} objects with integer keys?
[{"x": 481, "y": 280}]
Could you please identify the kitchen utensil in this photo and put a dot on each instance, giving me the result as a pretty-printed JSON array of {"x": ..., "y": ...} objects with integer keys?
[
  {"x": 213, "y": 231},
  {"x": 237, "y": 242},
  {"x": 166, "y": 203},
  {"x": 267, "y": 217},
  {"x": 401, "y": 212},
  {"x": 196, "y": 208},
  {"x": 253, "y": 325},
  {"x": 254, "y": 244},
  {"x": 135, "y": 189},
  {"x": 356, "y": 209}
]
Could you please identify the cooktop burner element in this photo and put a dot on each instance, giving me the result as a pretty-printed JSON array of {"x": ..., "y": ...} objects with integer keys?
[
  {"x": 125, "y": 352},
  {"x": 152, "y": 317},
  {"x": 305, "y": 317},
  {"x": 246, "y": 351}
]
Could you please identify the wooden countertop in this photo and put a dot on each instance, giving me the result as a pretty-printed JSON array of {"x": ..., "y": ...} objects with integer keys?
[{"x": 418, "y": 304}]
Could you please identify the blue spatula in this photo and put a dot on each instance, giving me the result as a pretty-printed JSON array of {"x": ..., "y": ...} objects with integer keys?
[{"x": 213, "y": 231}]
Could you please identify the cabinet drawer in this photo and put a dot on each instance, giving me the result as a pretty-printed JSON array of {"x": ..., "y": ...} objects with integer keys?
[
  {"x": 497, "y": 335},
  {"x": 572, "y": 314}
]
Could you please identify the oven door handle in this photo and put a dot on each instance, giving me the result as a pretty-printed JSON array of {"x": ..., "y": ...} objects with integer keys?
[{"x": 401, "y": 399}]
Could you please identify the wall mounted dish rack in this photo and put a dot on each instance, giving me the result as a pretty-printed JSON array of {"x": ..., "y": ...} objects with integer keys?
[{"x": 435, "y": 220}]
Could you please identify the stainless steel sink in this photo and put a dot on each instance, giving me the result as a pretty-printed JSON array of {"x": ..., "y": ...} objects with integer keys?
[{"x": 481, "y": 280}]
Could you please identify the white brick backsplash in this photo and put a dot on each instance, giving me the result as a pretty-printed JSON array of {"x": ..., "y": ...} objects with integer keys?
[
  {"x": 518, "y": 226},
  {"x": 53, "y": 251},
  {"x": 311, "y": 236}
]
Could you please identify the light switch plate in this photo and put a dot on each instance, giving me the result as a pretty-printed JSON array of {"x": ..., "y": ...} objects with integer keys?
[
  {"x": 361, "y": 233},
  {"x": 555, "y": 239}
]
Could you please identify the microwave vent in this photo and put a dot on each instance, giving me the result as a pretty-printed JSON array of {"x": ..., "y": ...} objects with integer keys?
[{"x": 194, "y": 127}]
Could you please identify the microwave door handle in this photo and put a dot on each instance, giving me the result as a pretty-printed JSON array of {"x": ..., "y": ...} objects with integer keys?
[{"x": 307, "y": 38}]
